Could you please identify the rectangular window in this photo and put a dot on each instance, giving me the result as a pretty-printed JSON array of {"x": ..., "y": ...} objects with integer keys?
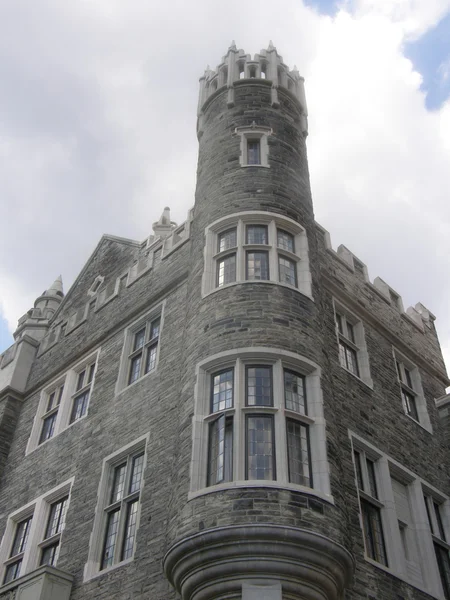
[
  {"x": 285, "y": 240},
  {"x": 222, "y": 390},
  {"x": 287, "y": 271},
  {"x": 259, "y": 388},
  {"x": 80, "y": 399},
  {"x": 33, "y": 534},
  {"x": 260, "y": 463},
  {"x": 226, "y": 270},
  {"x": 408, "y": 393},
  {"x": 49, "y": 418},
  {"x": 298, "y": 453},
  {"x": 257, "y": 234},
  {"x": 227, "y": 239},
  {"x": 253, "y": 152},
  {"x": 257, "y": 266},
  {"x": 121, "y": 511},
  {"x": 370, "y": 507},
  {"x": 220, "y": 454},
  {"x": 55, "y": 525},
  {"x": 348, "y": 349},
  {"x": 17, "y": 551},
  {"x": 373, "y": 532},
  {"x": 143, "y": 357},
  {"x": 294, "y": 392}
]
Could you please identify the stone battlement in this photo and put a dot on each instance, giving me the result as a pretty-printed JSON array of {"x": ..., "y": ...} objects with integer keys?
[{"x": 419, "y": 315}]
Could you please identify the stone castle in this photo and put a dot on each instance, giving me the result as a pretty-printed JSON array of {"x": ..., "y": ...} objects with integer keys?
[{"x": 229, "y": 409}]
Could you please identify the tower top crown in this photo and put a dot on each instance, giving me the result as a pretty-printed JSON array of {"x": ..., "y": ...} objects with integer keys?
[{"x": 237, "y": 65}]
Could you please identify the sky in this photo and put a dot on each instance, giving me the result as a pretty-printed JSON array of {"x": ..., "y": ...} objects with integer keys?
[{"x": 98, "y": 129}]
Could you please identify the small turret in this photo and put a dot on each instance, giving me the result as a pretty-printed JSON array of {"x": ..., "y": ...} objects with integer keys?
[
  {"x": 35, "y": 322},
  {"x": 164, "y": 227}
]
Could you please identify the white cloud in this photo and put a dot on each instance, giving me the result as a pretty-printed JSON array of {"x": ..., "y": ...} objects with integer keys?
[{"x": 98, "y": 133}]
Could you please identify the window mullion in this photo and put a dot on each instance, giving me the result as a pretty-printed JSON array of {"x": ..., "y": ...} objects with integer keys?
[{"x": 238, "y": 425}]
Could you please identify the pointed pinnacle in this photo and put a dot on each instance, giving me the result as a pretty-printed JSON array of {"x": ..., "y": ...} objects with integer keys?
[{"x": 57, "y": 285}]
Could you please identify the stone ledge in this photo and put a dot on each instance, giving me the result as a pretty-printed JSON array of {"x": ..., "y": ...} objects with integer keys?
[
  {"x": 45, "y": 583},
  {"x": 215, "y": 563}
]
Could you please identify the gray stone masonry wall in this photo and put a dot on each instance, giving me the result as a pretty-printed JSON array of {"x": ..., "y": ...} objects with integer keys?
[{"x": 149, "y": 406}]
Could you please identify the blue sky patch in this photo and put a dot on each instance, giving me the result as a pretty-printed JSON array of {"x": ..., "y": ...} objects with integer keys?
[
  {"x": 430, "y": 56},
  {"x": 325, "y": 7}
]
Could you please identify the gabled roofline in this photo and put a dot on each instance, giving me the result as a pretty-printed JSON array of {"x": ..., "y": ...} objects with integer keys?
[{"x": 105, "y": 237}]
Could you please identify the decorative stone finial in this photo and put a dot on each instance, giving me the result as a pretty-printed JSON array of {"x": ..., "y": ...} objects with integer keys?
[{"x": 164, "y": 226}]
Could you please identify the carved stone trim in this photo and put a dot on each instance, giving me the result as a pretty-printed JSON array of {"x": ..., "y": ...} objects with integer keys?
[{"x": 213, "y": 564}]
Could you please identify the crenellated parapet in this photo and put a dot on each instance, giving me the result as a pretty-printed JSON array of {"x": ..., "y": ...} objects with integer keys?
[
  {"x": 418, "y": 315},
  {"x": 267, "y": 67}
]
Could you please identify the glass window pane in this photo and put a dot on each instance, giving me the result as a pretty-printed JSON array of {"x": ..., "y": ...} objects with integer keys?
[
  {"x": 222, "y": 390},
  {"x": 257, "y": 234},
  {"x": 440, "y": 524},
  {"x": 135, "y": 368},
  {"x": 50, "y": 555},
  {"x": 253, "y": 152},
  {"x": 348, "y": 358},
  {"x": 257, "y": 266},
  {"x": 373, "y": 532},
  {"x": 408, "y": 378},
  {"x": 285, "y": 240},
  {"x": 350, "y": 332},
  {"x": 220, "y": 450},
  {"x": 372, "y": 479},
  {"x": 358, "y": 468},
  {"x": 12, "y": 571},
  {"x": 130, "y": 530},
  {"x": 79, "y": 408},
  {"x": 409, "y": 404},
  {"x": 136, "y": 473},
  {"x": 91, "y": 373},
  {"x": 260, "y": 448},
  {"x": 118, "y": 483},
  {"x": 48, "y": 428},
  {"x": 154, "y": 328},
  {"x": 259, "y": 386},
  {"x": 112, "y": 526},
  {"x": 298, "y": 453},
  {"x": 226, "y": 270},
  {"x": 339, "y": 323},
  {"x": 288, "y": 271},
  {"x": 80, "y": 381},
  {"x": 227, "y": 239},
  {"x": 56, "y": 519},
  {"x": 21, "y": 536},
  {"x": 294, "y": 392},
  {"x": 139, "y": 339},
  {"x": 152, "y": 352},
  {"x": 51, "y": 401},
  {"x": 443, "y": 562}
]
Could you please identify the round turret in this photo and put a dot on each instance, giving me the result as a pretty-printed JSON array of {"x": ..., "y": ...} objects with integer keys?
[{"x": 254, "y": 505}]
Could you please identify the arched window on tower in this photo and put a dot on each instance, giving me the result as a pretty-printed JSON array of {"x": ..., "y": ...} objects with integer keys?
[
  {"x": 263, "y": 70},
  {"x": 252, "y": 71},
  {"x": 241, "y": 67}
]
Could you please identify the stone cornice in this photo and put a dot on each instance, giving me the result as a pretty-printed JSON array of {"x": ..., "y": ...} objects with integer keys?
[
  {"x": 213, "y": 564},
  {"x": 396, "y": 341}
]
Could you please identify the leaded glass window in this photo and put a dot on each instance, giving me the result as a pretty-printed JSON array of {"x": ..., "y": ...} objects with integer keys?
[
  {"x": 144, "y": 350},
  {"x": 121, "y": 513}
]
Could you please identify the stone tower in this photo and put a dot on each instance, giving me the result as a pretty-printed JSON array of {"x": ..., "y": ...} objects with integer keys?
[{"x": 253, "y": 230}]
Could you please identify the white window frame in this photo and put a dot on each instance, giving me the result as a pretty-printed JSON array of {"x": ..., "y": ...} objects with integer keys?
[
  {"x": 279, "y": 359},
  {"x": 157, "y": 312},
  {"x": 69, "y": 381},
  {"x": 416, "y": 390},
  {"x": 39, "y": 509},
  {"x": 96, "y": 285},
  {"x": 273, "y": 222},
  {"x": 96, "y": 542},
  {"x": 252, "y": 133},
  {"x": 359, "y": 345},
  {"x": 386, "y": 469}
]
